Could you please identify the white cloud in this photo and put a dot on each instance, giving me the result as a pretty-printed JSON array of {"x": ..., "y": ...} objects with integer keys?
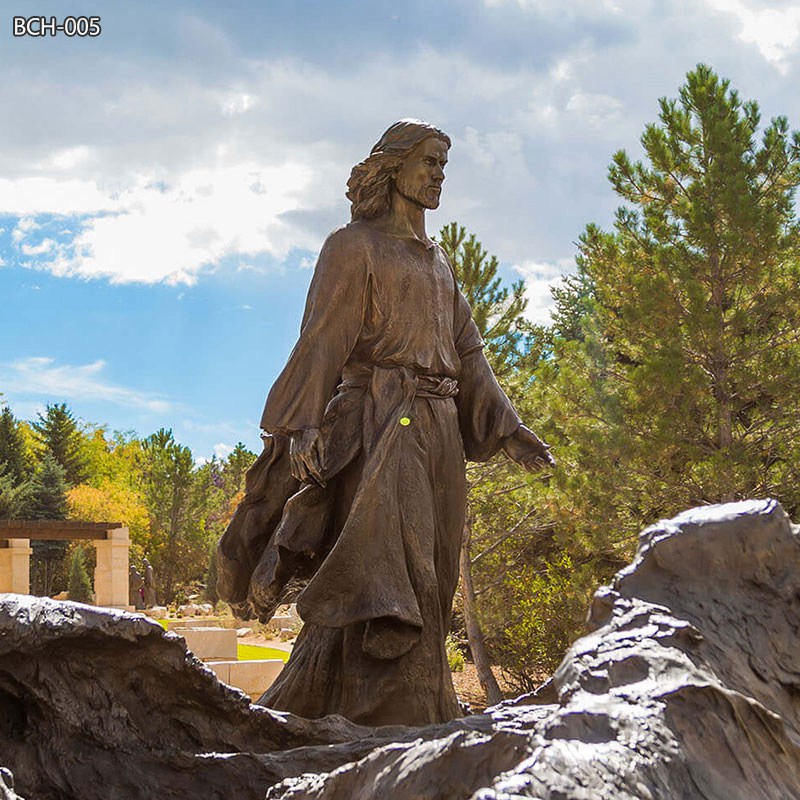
[
  {"x": 169, "y": 176},
  {"x": 44, "y": 247},
  {"x": 222, "y": 451},
  {"x": 68, "y": 158},
  {"x": 41, "y": 376},
  {"x": 154, "y": 232},
  {"x": 165, "y": 220},
  {"x": 34, "y": 195},
  {"x": 499, "y": 150},
  {"x": 237, "y": 103},
  {"x": 569, "y": 7},
  {"x": 596, "y": 109},
  {"x": 23, "y": 228},
  {"x": 772, "y": 29},
  {"x": 539, "y": 279}
]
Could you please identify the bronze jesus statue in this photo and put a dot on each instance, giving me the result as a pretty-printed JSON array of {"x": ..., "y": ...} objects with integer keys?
[{"x": 359, "y": 496}]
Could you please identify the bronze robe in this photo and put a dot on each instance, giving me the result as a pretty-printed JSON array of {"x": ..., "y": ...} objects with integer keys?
[{"x": 389, "y": 365}]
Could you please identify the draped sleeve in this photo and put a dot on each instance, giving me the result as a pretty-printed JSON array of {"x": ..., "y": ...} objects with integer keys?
[
  {"x": 334, "y": 315},
  {"x": 485, "y": 414}
]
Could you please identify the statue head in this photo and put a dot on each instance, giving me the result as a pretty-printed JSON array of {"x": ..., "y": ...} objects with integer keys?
[{"x": 370, "y": 185}]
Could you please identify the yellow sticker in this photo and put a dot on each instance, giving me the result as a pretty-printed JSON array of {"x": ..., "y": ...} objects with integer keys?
[{"x": 405, "y": 421}]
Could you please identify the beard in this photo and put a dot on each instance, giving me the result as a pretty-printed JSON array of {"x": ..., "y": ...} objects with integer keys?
[{"x": 425, "y": 196}]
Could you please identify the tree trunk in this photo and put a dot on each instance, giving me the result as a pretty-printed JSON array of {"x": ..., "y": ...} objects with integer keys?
[
  {"x": 474, "y": 632},
  {"x": 720, "y": 371}
]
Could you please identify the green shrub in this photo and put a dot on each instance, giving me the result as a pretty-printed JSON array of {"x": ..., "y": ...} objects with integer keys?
[
  {"x": 551, "y": 606},
  {"x": 79, "y": 586},
  {"x": 455, "y": 655}
]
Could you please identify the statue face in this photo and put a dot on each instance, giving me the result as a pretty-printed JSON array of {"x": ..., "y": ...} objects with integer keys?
[{"x": 420, "y": 177}]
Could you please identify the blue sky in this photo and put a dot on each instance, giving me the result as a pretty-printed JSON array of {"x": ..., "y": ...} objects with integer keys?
[{"x": 165, "y": 187}]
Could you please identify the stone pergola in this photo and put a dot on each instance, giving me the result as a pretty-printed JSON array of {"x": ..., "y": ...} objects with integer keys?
[{"x": 111, "y": 541}]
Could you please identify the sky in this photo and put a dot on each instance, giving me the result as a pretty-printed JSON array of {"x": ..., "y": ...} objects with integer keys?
[{"x": 166, "y": 185}]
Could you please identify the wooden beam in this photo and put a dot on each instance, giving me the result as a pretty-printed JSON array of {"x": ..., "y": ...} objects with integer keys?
[
  {"x": 65, "y": 524},
  {"x": 56, "y": 529},
  {"x": 40, "y": 534}
]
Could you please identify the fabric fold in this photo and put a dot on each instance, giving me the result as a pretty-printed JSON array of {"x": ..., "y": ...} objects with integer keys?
[{"x": 363, "y": 578}]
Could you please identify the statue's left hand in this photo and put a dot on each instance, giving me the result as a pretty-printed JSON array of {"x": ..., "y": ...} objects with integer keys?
[
  {"x": 307, "y": 456},
  {"x": 528, "y": 450}
]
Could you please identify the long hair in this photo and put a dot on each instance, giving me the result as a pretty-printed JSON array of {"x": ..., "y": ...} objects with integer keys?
[{"x": 370, "y": 183}]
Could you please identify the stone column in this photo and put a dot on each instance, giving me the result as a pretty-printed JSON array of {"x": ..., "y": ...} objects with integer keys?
[
  {"x": 15, "y": 566},
  {"x": 111, "y": 572}
]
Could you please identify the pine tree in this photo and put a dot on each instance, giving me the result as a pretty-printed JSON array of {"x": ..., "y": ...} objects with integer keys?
[
  {"x": 79, "y": 585},
  {"x": 574, "y": 302},
  {"x": 48, "y": 500},
  {"x": 13, "y": 495},
  {"x": 48, "y": 491},
  {"x": 177, "y": 505},
  {"x": 60, "y": 436},
  {"x": 500, "y": 527},
  {"x": 498, "y": 310},
  {"x": 235, "y": 468},
  {"x": 698, "y": 297},
  {"x": 12, "y": 448},
  {"x": 674, "y": 358},
  {"x": 674, "y": 372}
]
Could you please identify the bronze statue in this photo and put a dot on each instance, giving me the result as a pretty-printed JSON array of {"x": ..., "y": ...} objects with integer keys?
[
  {"x": 149, "y": 585},
  {"x": 360, "y": 491},
  {"x": 135, "y": 585}
]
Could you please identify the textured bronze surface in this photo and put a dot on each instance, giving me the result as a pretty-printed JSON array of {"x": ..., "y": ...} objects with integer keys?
[
  {"x": 360, "y": 491},
  {"x": 688, "y": 687}
]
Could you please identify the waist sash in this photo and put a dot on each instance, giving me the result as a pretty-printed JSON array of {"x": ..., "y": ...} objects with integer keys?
[{"x": 428, "y": 386}]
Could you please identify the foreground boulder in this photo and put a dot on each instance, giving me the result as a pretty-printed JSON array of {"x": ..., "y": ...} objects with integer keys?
[{"x": 688, "y": 687}]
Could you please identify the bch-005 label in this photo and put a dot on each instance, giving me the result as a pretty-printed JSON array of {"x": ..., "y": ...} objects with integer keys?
[{"x": 44, "y": 26}]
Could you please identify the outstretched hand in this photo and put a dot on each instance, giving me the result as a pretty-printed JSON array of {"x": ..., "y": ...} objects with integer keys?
[
  {"x": 528, "y": 450},
  {"x": 307, "y": 456}
]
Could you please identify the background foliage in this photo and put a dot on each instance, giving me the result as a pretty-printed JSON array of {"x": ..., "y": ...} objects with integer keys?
[
  {"x": 175, "y": 507},
  {"x": 667, "y": 379}
]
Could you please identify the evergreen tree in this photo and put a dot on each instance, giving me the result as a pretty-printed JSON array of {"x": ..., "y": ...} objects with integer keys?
[
  {"x": 498, "y": 310},
  {"x": 60, "y": 436},
  {"x": 79, "y": 586},
  {"x": 235, "y": 468},
  {"x": 218, "y": 488},
  {"x": 48, "y": 491},
  {"x": 500, "y": 528},
  {"x": 13, "y": 495},
  {"x": 48, "y": 500},
  {"x": 675, "y": 349},
  {"x": 12, "y": 448},
  {"x": 695, "y": 346},
  {"x": 177, "y": 504},
  {"x": 574, "y": 303},
  {"x": 673, "y": 358}
]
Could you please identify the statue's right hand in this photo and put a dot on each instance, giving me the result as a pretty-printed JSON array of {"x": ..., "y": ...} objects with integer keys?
[{"x": 307, "y": 456}]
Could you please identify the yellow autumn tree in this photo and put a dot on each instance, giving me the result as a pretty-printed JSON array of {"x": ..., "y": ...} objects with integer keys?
[{"x": 112, "y": 502}]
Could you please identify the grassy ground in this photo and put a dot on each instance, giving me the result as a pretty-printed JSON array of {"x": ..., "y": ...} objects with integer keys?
[
  {"x": 255, "y": 652},
  {"x": 250, "y": 652}
]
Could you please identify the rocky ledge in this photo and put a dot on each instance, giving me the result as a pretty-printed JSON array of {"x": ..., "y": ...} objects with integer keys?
[{"x": 687, "y": 687}]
